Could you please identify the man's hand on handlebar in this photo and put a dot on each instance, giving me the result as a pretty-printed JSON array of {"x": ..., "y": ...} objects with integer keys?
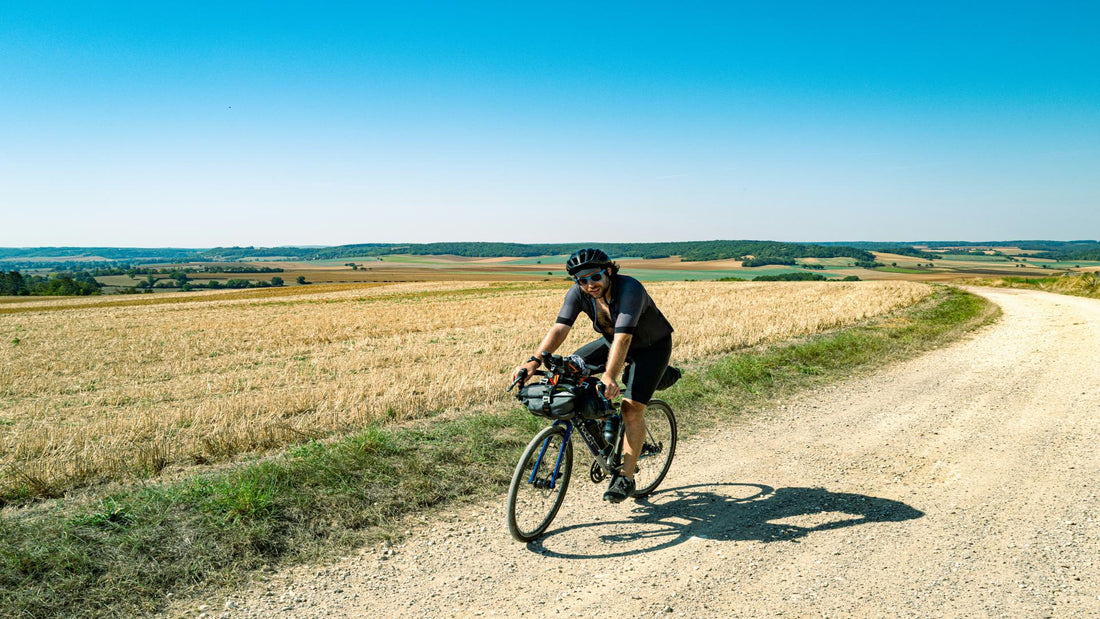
[
  {"x": 610, "y": 387},
  {"x": 530, "y": 366}
]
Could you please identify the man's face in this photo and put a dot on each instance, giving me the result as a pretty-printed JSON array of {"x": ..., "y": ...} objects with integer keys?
[{"x": 592, "y": 281}]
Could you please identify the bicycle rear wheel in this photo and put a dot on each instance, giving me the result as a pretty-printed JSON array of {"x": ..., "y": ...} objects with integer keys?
[
  {"x": 658, "y": 448},
  {"x": 539, "y": 484}
]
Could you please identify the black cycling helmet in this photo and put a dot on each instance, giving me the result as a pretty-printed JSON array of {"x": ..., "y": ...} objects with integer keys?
[{"x": 587, "y": 258}]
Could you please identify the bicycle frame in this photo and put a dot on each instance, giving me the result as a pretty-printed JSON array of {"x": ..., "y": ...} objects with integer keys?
[{"x": 607, "y": 463}]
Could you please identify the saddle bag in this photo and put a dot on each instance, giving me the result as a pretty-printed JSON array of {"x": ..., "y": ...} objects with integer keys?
[{"x": 669, "y": 378}]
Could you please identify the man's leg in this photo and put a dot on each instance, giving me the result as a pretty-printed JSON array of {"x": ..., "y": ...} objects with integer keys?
[
  {"x": 634, "y": 435},
  {"x": 622, "y": 486}
]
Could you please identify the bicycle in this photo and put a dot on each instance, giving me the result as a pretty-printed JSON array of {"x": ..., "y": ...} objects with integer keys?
[{"x": 542, "y": 475}]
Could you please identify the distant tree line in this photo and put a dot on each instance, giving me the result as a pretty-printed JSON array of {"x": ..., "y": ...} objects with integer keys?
[
  {"x": 1090, "y": 253},
  {"x": 687, "y": 250},
  {"x": 233, "y": 254},
  {"x": 171, "y": 271},
  {"x": 180, "y": 280},
  {"x": 799, "y": 276},
  {"x": 86, "y": 255},
  {"x": 1066, "y": 251},
  {"x": 58, "y": 266},
  {"x": 236, "y": 283},
  {"x": 768, "y": 260},
  {"x": 868, "y": 264},
  {"x": 76, "y": 258},
  {"x": 121, "y": 261},
  {"x": 791, "y": 277},
  {"x": 79, "y": 283}
]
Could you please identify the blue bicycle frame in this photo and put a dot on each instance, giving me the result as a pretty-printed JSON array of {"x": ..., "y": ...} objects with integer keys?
[
  {"x": 601, "y": 456},
  {"x": 561, "y": 454}
]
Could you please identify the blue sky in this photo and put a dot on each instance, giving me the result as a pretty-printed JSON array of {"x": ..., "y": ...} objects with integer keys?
[{"x": 202, "y": 124}]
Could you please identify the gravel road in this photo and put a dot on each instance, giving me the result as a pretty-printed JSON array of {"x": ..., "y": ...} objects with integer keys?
[{"x": 961, "y": 483}]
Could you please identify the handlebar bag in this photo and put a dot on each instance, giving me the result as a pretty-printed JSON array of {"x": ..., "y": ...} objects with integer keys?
[{"x": 553, "y": 401}]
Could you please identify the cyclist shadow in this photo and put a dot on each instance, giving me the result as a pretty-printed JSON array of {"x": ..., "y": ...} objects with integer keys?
[{"x": 728, "y": 512}]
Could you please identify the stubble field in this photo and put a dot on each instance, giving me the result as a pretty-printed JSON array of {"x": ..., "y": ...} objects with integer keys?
[{"x": 92, "y": 393}]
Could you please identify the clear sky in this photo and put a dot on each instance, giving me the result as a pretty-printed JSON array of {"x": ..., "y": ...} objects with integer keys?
[{"x": 212, "y": 123}]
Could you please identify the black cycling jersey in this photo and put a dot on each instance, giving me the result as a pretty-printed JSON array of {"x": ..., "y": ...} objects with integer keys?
[{"x": 632, "y": 311}]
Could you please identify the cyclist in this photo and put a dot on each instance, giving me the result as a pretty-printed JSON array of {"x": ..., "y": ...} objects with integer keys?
[{"x": 631, "y": 328}]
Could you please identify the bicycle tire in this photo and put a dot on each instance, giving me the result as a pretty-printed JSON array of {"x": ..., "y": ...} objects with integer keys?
[
  {"x": 658, "y": 448},
  {"x": 532, "y": 505}
]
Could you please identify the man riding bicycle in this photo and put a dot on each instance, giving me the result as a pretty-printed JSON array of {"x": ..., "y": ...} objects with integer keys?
[{"x": 632, "y": 329}]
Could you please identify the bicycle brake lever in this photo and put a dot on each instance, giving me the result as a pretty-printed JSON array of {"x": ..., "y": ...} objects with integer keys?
[{"x": 519, "y": 378}]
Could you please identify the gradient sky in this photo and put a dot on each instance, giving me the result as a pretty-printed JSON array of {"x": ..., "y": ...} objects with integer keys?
[{"x": 203, "y": 124}]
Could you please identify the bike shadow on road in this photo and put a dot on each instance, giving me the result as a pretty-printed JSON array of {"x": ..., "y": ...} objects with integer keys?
[{"x": 723, "y": 512}]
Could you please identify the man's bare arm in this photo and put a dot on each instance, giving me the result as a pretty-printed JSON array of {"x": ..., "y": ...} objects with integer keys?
[
  {"x": 554, "y": 338},
  {"x": 616, "y": 359}
]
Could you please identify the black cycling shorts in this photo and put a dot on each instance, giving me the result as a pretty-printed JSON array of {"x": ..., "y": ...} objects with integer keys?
[{"x": 647, "y": 365}]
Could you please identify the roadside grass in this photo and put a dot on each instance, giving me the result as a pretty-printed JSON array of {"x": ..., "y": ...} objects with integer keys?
[
  {"x": 123, "y": 553},
  {"x": 1077, "y": 284}
]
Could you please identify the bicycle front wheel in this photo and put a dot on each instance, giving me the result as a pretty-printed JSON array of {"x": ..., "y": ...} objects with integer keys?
[
  {"x": 658, "y": 448},
  {"x": 539, "y": 484}
]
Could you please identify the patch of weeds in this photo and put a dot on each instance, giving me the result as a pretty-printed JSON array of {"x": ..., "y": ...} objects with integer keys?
[{"x": 110, "y": 515}]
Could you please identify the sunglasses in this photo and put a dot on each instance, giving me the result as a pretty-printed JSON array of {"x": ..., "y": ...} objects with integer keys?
[{"x": 595, "y": 278}]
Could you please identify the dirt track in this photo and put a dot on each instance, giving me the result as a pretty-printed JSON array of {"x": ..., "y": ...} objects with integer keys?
[{"x": 962, "y": 483}]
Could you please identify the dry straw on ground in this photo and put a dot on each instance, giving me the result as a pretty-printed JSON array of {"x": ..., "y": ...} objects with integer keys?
[
  {"x": 1080, "y": 284},
  {"x": 98, "y": 393}
]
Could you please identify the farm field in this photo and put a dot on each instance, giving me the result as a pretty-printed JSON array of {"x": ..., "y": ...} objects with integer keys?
[
  {"x": 961, "y": 266},
  {"x": 441, "y": 268},
  {"x": 94, "y": 391},
  {"x": 912, "y": 491}
]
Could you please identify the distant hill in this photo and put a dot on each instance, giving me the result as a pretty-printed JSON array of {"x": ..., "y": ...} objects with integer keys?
[
  {"x": 687, "y": 250},
  {"x": 79, "y": 258},
  {"x": 1057, "y": 250},
  {"x": 763, "y": 252},
  {"x": 41, "y": 257},
  {"x": 96, "y": 253}
]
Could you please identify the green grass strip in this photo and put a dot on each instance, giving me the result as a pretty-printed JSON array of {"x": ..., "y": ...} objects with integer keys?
[{"x": 122, "y": 553}]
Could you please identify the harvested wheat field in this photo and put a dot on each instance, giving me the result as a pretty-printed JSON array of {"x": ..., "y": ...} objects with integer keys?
[{"x": 96, "y": 393}]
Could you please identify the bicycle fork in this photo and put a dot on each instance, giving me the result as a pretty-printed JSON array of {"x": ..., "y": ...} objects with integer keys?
[{"x": 552, "y": 482}]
